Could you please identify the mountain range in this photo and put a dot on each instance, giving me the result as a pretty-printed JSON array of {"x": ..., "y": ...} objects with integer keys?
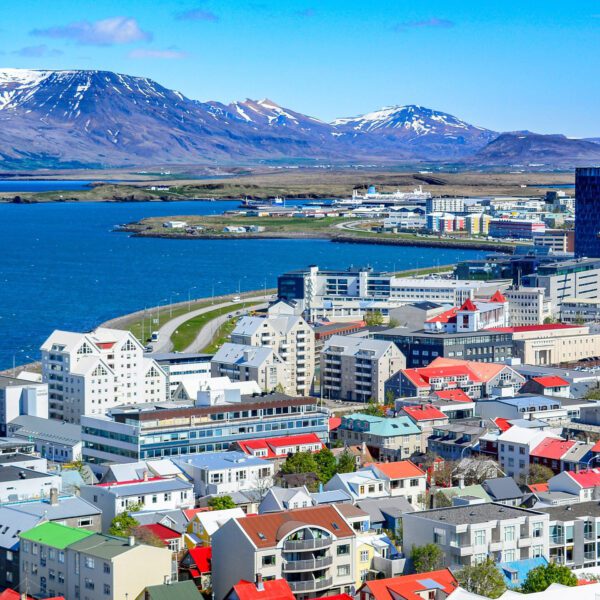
[{"x": 51, "y": 119}]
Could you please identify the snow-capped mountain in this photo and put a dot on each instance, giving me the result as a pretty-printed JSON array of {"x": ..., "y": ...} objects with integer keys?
[{"x": 101, "y": 118}]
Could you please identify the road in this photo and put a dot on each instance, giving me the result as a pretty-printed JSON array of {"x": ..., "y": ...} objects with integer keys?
[{"x": 166, "y": 331}]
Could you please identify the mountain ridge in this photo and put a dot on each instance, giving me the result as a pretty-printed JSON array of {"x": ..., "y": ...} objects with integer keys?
[{"x": 104, "y": 119}]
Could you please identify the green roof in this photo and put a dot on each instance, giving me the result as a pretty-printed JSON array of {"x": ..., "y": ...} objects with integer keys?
[
  {"x": 55, "y": 535},
  {"x": 182, "y": 590},
  {"x": 468, "y": 490},
  {"x": 385, "y": 426}
]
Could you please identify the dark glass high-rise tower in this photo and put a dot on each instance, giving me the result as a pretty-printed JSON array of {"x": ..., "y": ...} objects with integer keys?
[{"x": 587, "y": 212}]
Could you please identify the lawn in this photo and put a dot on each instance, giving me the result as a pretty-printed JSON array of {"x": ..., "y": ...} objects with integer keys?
[
  {"x": 188, "y": 331},
  {"x": 221, "y": 336}
]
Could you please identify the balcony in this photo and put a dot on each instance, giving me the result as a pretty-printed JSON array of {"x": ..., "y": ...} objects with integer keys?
[
  {"x": 523, "y": 542},
  {"x": 557, "y": 540},
  {"x": 461, "y": 549},
  {"x": 495, "y": 546},
  {"x": 311, "y": 585},
  {"x": 589, "y": 556},
  {"x": 307, "y": 565},
  {"x": 311, "y": 544}
]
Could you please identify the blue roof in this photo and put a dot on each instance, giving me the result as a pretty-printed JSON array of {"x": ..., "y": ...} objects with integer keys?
[
  {"x": 331, "y": 496},
  {"x": 526, "y": 401},
  {"x": 382, "y": 426},
  {"x": 220, "y": 460},
  {"x": 515, "y": 572}
]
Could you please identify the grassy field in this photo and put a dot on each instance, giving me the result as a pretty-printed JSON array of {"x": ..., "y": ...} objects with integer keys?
[
  {"x": 221, "y": 336},
  {"x": 188, "y": 331}
]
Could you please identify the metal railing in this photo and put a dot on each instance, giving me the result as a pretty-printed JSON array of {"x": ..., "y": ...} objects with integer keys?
[
  {"x": 306, "y": 565},
  {"x": 312, "y": 544},
  {"x": 311, "y": 585}
]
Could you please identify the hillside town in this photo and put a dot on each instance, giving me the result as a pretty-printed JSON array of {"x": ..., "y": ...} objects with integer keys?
[{"x": 357, "y": 435}]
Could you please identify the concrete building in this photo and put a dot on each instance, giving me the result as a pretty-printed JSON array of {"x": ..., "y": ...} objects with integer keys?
[
  {"x": 356, "y": 369},
  {"x": 186, "y": 368},
  {"x": 58, "y": 442},
  {"x": 21, "y": 397},
  {"x": 88, "y": 373},
  {"x": 146, "y": 495},
  {"x": 132, "y": 433},
  {"x": 577, "y": 311},
  {"x": 560, "y": 240},
  {"x": 290, "y": 337},
  {"x": 527, "y": 305},
  {"x": 242, "y": 362},
  {"x": 451, "y": 205},
  {"x": 403, "y": 479},
  {"x": 73, "y": 563},
  {"x": 471, "y": 534},
  {"x": 227, "y": 472},
  {"x": 313, "y": 549},
  {"x": 455, "y": 441},
  {"x": 386, "y": 438},
  {"x": 20, "y": 483},
  {"x": 515, "y": 228}
]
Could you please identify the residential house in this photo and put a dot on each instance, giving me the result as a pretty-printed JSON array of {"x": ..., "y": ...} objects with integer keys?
[
  {"x": 170, "y": 538},
  {"x": 196, "y": 566},
  {"x": 356, "y": 369},
  {"x": 504, "y": 490},
  {"x": 56, "y": 559},
  {"x": 515, "y": 572},
  {"x": 284, "y": 545},
  {"x": 279, "y": 498},
  {"x": 403, "y": 478},
  {"x": 205, "y": 524},
  {"x": 386, "y": 438},
  {"x": 21, "y": 483},
  {"x": 585, "y": 484},
  {"x": 470, "y": 534},
  {"x": 261, "y": 589},
  {"x": 262, "y": 364},
  {"x": 386, "y": 513},
  {"x": 88, "y": 373},
  {"x": 547, "y": 385},
  {"x": 152, "y": 494},
  {"x": 177, "y": 590},
  {"x": 456, "y": 440},
  {"x": 434, "y": 585},
  {"x": 426, "y": 417},
  {"x": 291, "y": 337},
  {"x": 226, "y": 472},
  {"x": 279, "y": 448},
  {"x": 360, "y": 485}
]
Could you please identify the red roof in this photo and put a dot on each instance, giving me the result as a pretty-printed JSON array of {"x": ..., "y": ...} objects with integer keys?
[
  {"x": 498, "y": 297},
  {"x": 273, "y": 589},
  {"x": 527, "y": 328},
  {"x": 424, "y": 412},
  {"x": 9, "y": 594},
  {"x": 410, "y": 587},
  {"x": 202, "y": 555},
  {"x": 453, "y": 395},
  {"x": 586, "y": 479},
  {"x": 336, "y": 597},
  {"x": 538, "y": 487},
  {"x": 273, "y": 446},
  {"x": 551, "y": 381},
  {"x": 502, "y": 424},
  {"x": 400, "y": 469},
  {"x": 596, "y": 447},
  {"x": 445, "y": 317},
  {"x": 166, "y": 534},
  {"x": 468, "y": 305},
  {"x": 105, "y": 345},
  {"x": 552, "y": 449},
  {"x": 334, "y": 423},
  {"x": 190, "y": 512}
]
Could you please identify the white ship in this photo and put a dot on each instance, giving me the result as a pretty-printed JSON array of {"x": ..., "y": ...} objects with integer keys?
[{"x": 397, "y": 196}]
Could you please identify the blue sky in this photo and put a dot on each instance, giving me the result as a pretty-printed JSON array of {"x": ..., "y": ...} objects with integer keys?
[{"x": 505, "y": 65}]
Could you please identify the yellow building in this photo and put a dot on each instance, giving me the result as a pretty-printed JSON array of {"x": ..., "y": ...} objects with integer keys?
[{"x": 204, "y": 524}]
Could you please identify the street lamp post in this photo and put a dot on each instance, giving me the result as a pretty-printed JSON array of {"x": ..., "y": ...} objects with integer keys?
[{"x": 189, "y": 297}]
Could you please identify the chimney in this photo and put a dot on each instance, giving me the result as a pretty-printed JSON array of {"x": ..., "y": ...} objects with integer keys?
[
  {"x": 145, "y": 475},
  {"x": 131, "y": 541},
  {"x": 260, "y": 586},
  {"x": 54, "y": 496},
  {"x": 461, "y": 482}
]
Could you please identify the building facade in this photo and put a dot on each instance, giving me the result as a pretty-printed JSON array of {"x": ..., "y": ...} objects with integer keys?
[{"x": 587, "y": 212}]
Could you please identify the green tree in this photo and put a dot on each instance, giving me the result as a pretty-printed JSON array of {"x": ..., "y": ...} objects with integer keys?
[
  {"x": 541, "y": 577},
  {"x": 390, "y": 397},
  {"x": 373, "y": 409},
  {"x": 221, "y": 502},
  {"x": 346, "y": 462},
  {"x": 123, "y": 525},
  {"x": 145, "y": 536},
  {"x": 429, "y": 557},
  {"x": 537, "y": 474},
  {"x": 374, "y": 318},
  {"x": 301, "y": 462},
  {"x": 326, "y": 464},
  {"x": 484, "y": 579}
]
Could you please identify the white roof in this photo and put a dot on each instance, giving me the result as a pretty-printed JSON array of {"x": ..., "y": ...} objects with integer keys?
[
  {"x": 556, "y": 591},
  {"x": 251, "y": 356},
  {"x": 68, "y": 339},
  {"x": 88, "y": 363},
  {"x": 215, "y": 519},
  {"x": 523, "y": 435},
  {"x": 30, "y": 376}
]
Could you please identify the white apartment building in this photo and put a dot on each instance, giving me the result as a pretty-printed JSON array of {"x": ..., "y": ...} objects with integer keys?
[
  {"x": 88, "y": 373},
  {"x": 262, "y": 364},
  {"x": 451, "y": 205},
  {"x": 473, "y": 533},
  {"x": 527, "y": 305},
  {"x": 356, "y": 369},
  {"x": 291, "y": 337},
  {"x": 21, "y": 397},
  {"x": 574, "y": 311}
]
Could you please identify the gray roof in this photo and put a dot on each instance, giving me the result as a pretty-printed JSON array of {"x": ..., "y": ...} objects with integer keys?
[
  {"x": 476, "y": 513},
  {"x": 394, "y": 507},
  {"x": 47, "y": 430},
  {"x": 351, "y": 346},
  {"x": 240, "y": 354},
  {"x": 175, "y": 519},
  {"x": 12, "y": 523},
  {"x": 12, "y": 473},
  {"x": 148, "y": 487},
  {"x": 68, "y": 507},
  {"x": 502, "y": 488},
  {"x": 572, "y": 511},
  {"x": 18, "y": 457},
  {"x": 15, "y": 381},
  {"x": 331, "y": 497},
  {"x": 102, "y": 546}
]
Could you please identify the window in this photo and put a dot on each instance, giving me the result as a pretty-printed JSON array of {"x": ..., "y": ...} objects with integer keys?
[
  {"x": 343, "y": 570},
  {"x": 107, "y": 589},
  {"x": 509, "y": 533},
  {"x": 508, "y": 555},
  {"x": 439, "y": 536},
  {"x": 107, "y": 568},
  {"x": 537, "y": 529},
  {"x": 61, "y": 577},
  {"x": 364, "y": 555},
  {"x": 537, "y": 551},
  {"x": 88, "y": 584},
  {"x": 479, "y": 558},
  {"x": 88, "y": 561},
  {"x": 61, "y": 556},
  {"x": 268, "y": 560},
  {"x": 51, "y": 574},
  {"x": 480, "y": 537},
  {"x": 85, "y": 522},
  {"x": 343, "y": 550}
]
